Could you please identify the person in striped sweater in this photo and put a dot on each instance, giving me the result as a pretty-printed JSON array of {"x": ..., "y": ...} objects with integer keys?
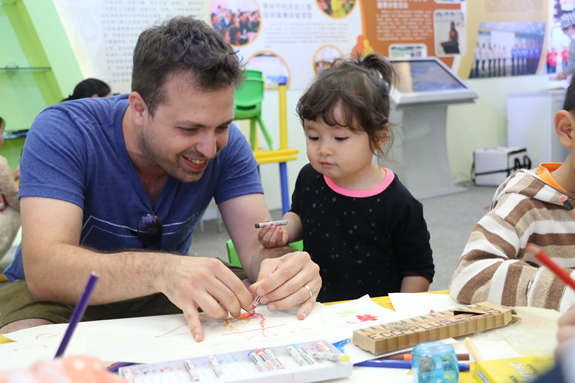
[{"x": 527, "y": 207}]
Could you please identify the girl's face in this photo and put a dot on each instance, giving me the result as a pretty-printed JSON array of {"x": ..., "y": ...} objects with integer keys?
[{"x": 338, "y": 153}]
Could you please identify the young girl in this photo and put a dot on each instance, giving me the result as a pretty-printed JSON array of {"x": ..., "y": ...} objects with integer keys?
[{"x": 357, "y": 221}]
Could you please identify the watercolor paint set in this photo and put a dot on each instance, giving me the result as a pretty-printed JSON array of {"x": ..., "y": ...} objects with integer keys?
[{"x": 304, "y": 362}]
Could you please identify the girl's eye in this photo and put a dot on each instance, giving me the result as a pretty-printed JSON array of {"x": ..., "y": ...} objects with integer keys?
[
  {"x": 312, "y": 138},
  {"x": 341, "y": 138}
]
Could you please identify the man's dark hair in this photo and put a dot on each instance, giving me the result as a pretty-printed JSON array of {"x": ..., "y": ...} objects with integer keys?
[
  {"x": 569, "y": 103},
  {"x": 182, "y": 44}
]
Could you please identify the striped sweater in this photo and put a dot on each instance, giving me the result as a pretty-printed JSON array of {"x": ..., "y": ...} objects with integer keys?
[{"x": 495, "y": 267}]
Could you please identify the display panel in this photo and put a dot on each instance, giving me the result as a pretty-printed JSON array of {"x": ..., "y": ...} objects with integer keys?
[
  {"x": 424, "y": 76},
  {"x": 428, "y": 81}
]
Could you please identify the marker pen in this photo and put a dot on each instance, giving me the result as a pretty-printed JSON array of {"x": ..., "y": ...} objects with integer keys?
[
  {"x": 266, "y": 360},
  {"x": 271, "y": 356},
  {"x": 191, "y": 371},
  {"x": 258, "y": 362},
  {"x": 271, "y": 223},
  {"x": 215, "y": 365},
  {"x": 296, "y": 355},
  {"x": 330, "y": 356},
  {"x": 308, "y": 358}
]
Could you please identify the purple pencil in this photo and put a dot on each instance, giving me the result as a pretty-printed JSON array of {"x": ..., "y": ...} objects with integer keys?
[{"x": 78, "y": 313}]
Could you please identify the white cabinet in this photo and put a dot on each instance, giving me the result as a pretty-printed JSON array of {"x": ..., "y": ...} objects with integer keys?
[{"x": 530, "y": 124}]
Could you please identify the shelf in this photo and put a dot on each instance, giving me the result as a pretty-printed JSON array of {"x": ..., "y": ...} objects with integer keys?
[
  {"x": 39, "y": 69},
  {"x": 15, "y": 134}
]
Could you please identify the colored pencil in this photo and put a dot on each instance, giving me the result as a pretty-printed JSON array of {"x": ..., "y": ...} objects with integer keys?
[
  {"x": 473, "y": 350},
  {"x": 78, "y": 313},
  {"x": 398, "y": 364},
  {"x": 546, "y": 261},
  {"x": 407, "y": 356}
]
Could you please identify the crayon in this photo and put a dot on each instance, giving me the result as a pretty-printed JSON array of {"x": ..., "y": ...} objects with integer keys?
[
  {"x": 215, "y": 366},
  {"x": 258, "y": 362},
  {"x": 473, "y": 350},
  {"x": 271, "y": 356},
  {"x": 407, "y": 356},
  {"x": 296, "y": 355},
  {"x": 127, "y": 374},
  {"x": 266, "y": 360},
  {"x": 308, "y": 358},
  {"x": 271, "y": 223},
  {"x": 568, "y": 205},
  {"x": 330, "y": 356},
  {"x": 322, "y": 346},
  {"x": 191, "y": 371}
]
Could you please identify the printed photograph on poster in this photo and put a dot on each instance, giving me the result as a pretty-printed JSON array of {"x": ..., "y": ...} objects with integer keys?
[
  {"x": 449, "y": 1},
  {"x": 273, "y": 68},
  {"x": 336, "y": 8},
  {"x": 362, "y": 48},
  {"x": 238, "y": 21},
  {"x": 450, "y": 33},
  {"x": 324, "y": 57},
  {"x": 407, "y": 50},
  {"x": 507, "y": 49},
  {"x": 560, "y": 42}
]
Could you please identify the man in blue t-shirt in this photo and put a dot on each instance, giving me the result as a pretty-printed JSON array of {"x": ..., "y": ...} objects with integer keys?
[{"x": 117, "y": 185}]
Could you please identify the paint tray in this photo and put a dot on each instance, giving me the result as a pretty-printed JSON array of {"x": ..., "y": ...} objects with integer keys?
[{"x": 238, "y": 367}]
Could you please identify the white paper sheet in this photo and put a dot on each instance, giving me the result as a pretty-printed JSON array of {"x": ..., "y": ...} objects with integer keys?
[
  {"x": 411, "y": 305},
  {"x": 155, "y": 339}
]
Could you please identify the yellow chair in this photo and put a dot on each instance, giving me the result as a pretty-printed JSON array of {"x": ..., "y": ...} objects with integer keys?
[
  {"x": 235, "y": 260},
  {"x": 248, "y": 105}
]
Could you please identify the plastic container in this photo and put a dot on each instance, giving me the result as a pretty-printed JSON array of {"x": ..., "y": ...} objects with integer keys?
[{"x": 434, "y": 362}]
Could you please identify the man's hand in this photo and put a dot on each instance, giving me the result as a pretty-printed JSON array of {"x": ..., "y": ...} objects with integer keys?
[
  {"x": 285, "y": 288},
  {"x": 206, "y": 283},
  {"x": 273, "y": 236}
]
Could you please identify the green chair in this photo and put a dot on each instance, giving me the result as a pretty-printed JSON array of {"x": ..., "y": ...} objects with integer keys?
[
  {"x": 235, "y": 260},
  {"x": 248, "y": 105}
]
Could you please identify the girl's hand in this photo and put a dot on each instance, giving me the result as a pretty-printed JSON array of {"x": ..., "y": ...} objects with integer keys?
[{"x": 273, "y": 236}]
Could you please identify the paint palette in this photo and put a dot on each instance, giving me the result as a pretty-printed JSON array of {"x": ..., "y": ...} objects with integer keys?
[{"x": 254, "y": 365}]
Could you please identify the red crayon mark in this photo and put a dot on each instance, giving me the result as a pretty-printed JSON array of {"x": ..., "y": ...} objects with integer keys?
[
  {"x": 240, "y": 332},
  {"x": 366, "y": 318}
]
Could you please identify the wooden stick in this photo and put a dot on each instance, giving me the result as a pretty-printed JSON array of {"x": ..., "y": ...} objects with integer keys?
[{"x": 473, "y": 350}]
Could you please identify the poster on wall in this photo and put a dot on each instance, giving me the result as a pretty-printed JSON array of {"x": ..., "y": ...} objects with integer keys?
[
  {"x": 505, "y": 38},
  {"x": 561, "y": 31},
  {"x": 289, "y": 41}
]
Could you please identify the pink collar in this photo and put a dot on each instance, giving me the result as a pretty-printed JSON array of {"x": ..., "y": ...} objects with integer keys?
[{"x": 389, "y": 176}]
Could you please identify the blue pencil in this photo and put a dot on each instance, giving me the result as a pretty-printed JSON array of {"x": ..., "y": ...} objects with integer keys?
[
  {"x": 398, "y": 364},
  {"x": 78, "y": 313}
]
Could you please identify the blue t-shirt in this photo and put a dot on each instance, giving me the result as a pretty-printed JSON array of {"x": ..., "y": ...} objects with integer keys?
[{"x": 75, "y": 151}]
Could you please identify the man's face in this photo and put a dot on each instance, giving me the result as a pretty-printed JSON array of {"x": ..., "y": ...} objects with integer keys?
[{"x": 188, "y": 129}]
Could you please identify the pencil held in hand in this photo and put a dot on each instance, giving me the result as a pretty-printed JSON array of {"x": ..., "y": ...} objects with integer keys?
[{"x": 540, "y": 255}]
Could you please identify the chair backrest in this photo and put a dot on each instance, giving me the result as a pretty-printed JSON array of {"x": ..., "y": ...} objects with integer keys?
[
  {"x": 250, "y": 93},
  {"x": 252, "y": 73}
]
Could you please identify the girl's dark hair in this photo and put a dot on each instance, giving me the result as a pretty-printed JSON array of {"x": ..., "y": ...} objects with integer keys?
[
  {"x": 88, "y": 88},
  {"x": 361, "y": 87},
  {"x": 2, "y": 122}
]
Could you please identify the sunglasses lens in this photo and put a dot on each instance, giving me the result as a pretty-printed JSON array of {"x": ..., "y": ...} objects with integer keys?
[{"x": 150, "y": 230}]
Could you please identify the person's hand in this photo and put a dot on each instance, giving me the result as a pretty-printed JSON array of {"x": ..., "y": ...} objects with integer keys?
[
  {"x": 273, "y": 236},
  {"x": 286, "y": 287},
  {"x": 194, "y": 282},
  {"x": 16, "y": 173},
  {"x": 566, "y": 332}
]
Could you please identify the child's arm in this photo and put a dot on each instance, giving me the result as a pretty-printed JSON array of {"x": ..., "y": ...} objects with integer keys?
[
  {"x": 277, "y": 236},
  {"x": 414, "y": 284}
]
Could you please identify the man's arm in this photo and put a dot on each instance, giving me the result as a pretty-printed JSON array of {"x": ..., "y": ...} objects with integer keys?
[
  {"x": 57, "y": 268},
  {"x": 292, "y": 270}
]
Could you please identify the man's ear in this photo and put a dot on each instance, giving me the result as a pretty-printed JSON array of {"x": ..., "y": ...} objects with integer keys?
[
  {"x": 565, "y": 128},
  {"x": 138, "y": 107}
]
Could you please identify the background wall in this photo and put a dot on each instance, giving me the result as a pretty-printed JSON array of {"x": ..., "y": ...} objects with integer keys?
[{"x": 33, "y": 35}]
